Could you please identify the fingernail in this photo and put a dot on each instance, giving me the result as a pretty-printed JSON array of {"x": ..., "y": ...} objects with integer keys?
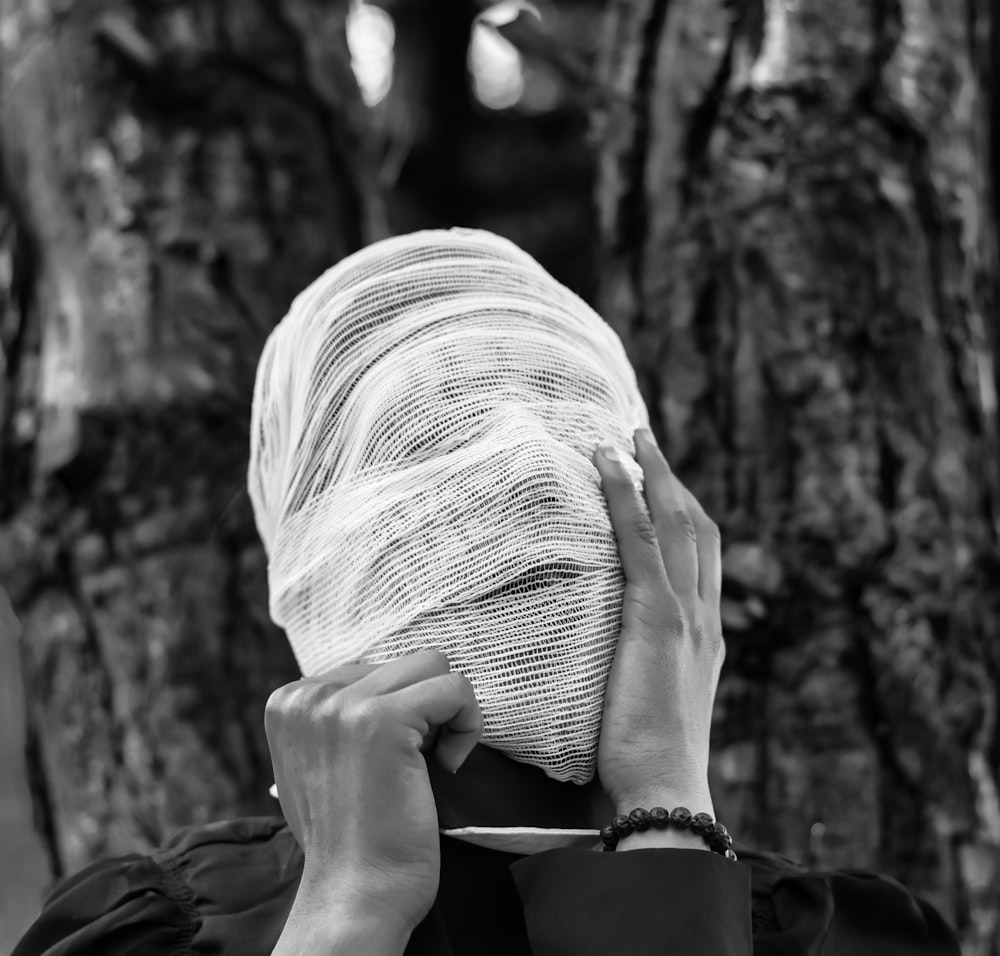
[{"x": 611, "y": 453}]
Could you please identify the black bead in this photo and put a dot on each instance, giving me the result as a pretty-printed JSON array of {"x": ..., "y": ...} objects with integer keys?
[
  {"x": 680, "y": 818},
  {"x": 608, "y": 837},
  {"x": 718, "y": 838},
  {"x": 659, "y": 818},
  {"x": 701, "y": 823},
  {"x": 639, "y": 819},
  {"x": 622, "y": 825}
]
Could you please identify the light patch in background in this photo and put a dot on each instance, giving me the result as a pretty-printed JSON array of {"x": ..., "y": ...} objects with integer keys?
[
  {"x": 495, "y": 64},
  {"x": 371, "y": 36}
]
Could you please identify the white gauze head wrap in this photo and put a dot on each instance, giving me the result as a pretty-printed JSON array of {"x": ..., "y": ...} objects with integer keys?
[{"x": 420, "y": 470}]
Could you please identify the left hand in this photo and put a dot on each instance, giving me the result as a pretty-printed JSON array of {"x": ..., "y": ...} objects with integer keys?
[{"x": 653, "y": 748}]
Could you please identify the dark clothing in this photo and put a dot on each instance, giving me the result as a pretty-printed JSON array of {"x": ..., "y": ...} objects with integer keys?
[{"x": 228, "y": 887}]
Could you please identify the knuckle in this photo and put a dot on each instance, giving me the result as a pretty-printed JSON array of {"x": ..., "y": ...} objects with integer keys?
[
  {"x": 684, "y": 521},
  {"x": 643, "y": 528},
  {"x": 346, "y": 674},
  {"x": 650, "y": 610},
  {"x": 353, "y": 715},
  {"x": 617, "y": 482},
  {"x": 281, "y": 700},
  {"x": 710, "y": 529},
  {"x": 287, "y": 706},
  {"x": 705, "y": 632},
  {"x": 275, "y": 701},
  {"x": 273, "y": 712}
]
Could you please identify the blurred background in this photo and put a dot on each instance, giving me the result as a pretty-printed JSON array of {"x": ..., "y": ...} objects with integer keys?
[{"x": 788, "y": 211}]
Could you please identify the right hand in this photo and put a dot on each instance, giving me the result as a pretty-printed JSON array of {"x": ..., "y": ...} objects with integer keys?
[
  {"x": 653, "y": 748},
  {"x": 348, "y": 753}
]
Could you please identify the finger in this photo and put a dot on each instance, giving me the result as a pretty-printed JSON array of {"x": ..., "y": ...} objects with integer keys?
[
  {"x": 447, "y": 702},
  {"x": 403, "y": 671},
  {"x": 343, "y": 676},
  {"x": 308, "y": 693},
  {"x": 675, "y": 528},
  {"x": 709, "y": 549},
  {"x": 637, "y": 544}
]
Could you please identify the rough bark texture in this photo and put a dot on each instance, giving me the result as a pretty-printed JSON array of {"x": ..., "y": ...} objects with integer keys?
[
  {"x": 799, "y": 230},
  {"x": 20, "y": 882},
  {"x": 795, "y": 208},
  {"x": 174, "y": 173}
]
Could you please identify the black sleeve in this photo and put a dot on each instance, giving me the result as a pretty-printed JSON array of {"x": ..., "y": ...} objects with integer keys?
[
  {"x": 221, "y": 888},
  {"x": 113, "y": 907},
  {"x": 851, "y": 913},
  {"x": 656, "y": 902}
]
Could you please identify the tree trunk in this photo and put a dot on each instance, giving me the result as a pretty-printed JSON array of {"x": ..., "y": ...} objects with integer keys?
[
  {"x": 173, "y": 174},
  {"x": 799, "y": 230},
  {"x": 799, "y": 250},
  {"x": 522, "y": 174}
]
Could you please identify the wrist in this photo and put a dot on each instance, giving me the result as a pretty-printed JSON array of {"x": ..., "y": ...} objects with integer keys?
[
  {"x": 338, "y": 933},
  {"x": 663, "y": 840},
  {"x": 327, "y": 921},
  {"x": 661, "y": 835},
  {"x": 696, "y": 799}
]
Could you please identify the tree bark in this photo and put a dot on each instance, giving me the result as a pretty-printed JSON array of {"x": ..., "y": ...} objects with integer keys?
[
  {"x": 794, "y": 204},
  {"x": 798, "y": 219},
  {"x": 173, "y": 174}
]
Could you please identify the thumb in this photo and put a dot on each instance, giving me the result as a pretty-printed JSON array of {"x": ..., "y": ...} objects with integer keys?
[
  {"x": 449, "y": 703},
  {"x": 455, "y": 745}
]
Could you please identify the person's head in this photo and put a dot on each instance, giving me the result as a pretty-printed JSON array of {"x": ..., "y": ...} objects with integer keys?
[{"x": 423, "y": 424}]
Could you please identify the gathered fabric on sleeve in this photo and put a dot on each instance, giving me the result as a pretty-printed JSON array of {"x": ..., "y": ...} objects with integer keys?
[
  {"x": 228, "y": 887},
  {"x": 114, "y": 907},
  {"x": 799, "y": 912},
  {"x": 222, "y": 888}
]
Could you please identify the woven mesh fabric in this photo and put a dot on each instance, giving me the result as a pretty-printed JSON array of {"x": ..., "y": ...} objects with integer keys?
[{"x": 423, "y": 424}]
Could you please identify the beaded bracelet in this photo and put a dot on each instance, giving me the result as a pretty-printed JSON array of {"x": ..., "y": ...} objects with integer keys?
[{"x": 715, "y": 835}]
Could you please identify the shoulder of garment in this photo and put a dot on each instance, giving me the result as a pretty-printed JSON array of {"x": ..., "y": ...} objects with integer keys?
[{"x": 228, "y": 886}]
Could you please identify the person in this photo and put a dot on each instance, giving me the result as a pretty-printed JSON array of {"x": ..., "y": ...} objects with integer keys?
[{"x": 506, "y": 609}]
